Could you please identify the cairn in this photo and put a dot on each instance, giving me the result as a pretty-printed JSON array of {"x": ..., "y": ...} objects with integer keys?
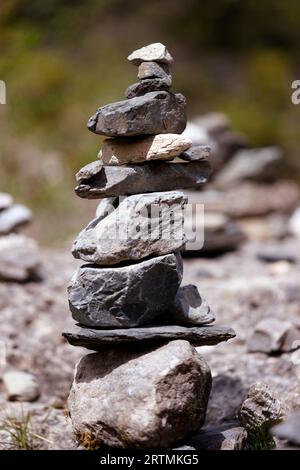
[{"x": 146, "y": 385}]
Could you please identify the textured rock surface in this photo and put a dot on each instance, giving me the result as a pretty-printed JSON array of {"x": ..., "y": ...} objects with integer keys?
[
  {"x": 144, "y": 178},
  {"x": 139, "y": 400},
  {"x": 124, "y": 296},
  {"x": 96, "y": 340},
  {"x": 196, "y": 152},
  {"x": 225, "y": 437},
  {"x": 271, "y": 335},
  {"x": 154, "y": 70},
  {"x": 19, "y": 258},
  {"x": 147, "y": 86},
  {"x": 5, "y": 201},
  {"x": 157, "y": 112},
  {"x": 20, "y": 386},
  {"x": 289, "y": 430},
  {"x": 260, "y": 408},
  {"x": 124, "y": 234},
  {"x": 136, "y": 150},
  {"x": 14, "y": 217},
  {"x": 88, "y": 171},
  {"x": 154, "y": 52},
  {"x": 188, "y": 308}
]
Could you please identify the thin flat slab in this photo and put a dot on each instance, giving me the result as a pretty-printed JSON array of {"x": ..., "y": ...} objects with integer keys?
[
  {"x": 96, "y": 339},
  {"x": 144, "y": 178}
]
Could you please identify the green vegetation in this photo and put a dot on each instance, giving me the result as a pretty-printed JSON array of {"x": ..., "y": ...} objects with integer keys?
[
  {"x": 19, "y": 429},
  {"x": 61, "y": 59},
  {"x": 260, "y": 439}
]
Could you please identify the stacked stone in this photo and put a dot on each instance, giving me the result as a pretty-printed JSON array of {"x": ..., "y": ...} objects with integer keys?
[
  {"x": 19, "y": 255},
  {"x": 144, "y": 388}
]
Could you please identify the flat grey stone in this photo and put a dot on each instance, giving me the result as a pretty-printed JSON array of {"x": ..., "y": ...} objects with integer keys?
[
  {"x": 148, "y": 86},
  {"x": 125, "y": 296},
  {"x": 5, "y": 201},
  {"x": 156, "y": 52},
  {"x": 188, "y": 309},
  {"x": 144, "y": 178},
  {"x": 19, "y": 258},
  {"x": 158, "y": 112},
  {"x": 13, "y": 218},
  {"x": 142, "y": 149},
  {"x": 196, "y": 152},
  {"x": 142, "y": 225},
  {"x": 96, "y": 339},
  {"x": 154, "y": 70},
  {"x": 139, "y": 400}
]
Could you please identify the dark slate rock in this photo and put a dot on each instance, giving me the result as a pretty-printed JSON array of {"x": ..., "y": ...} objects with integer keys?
[
  {"x": 147, "y": 86},
  {"x": 153, "y": 70},
  {"x": 96, "y": 339},
  {"x": 144, "y": 178},
  {"x": 157, "y": 112},
  {"x": 125, "y": 296}
]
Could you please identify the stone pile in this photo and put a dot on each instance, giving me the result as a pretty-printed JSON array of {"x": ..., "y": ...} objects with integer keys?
[
  {"x": 245, "y": 196},
  {"x": 146, "y": 386},
  {"x": 19, "y": 255}
]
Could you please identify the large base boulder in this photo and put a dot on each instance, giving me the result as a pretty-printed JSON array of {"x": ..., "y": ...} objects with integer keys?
[{"x": 139, "y": 400}]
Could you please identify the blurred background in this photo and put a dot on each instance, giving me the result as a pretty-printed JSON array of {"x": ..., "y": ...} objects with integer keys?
[{"x": 61, "y": 59}]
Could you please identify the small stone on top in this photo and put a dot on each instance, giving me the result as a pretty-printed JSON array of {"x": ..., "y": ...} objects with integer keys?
[{"x": 156, "y": 52}]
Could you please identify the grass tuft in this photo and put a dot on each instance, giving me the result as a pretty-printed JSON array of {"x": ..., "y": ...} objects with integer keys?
[
  {"x": 19, "y": 429},
  {"x": 260, "y": 439}
]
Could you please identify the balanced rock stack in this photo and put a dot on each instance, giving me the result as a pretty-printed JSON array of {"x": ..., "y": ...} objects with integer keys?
[
  {"x": 19, "y": 255},
  {"x": 146, "y": 386}
]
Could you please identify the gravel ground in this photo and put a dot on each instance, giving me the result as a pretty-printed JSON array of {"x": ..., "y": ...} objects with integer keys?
[{"x": 240, "y": 289}]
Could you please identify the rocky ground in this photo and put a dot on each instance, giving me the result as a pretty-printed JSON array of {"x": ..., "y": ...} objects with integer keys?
[{"x": 241, "y": 289}]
